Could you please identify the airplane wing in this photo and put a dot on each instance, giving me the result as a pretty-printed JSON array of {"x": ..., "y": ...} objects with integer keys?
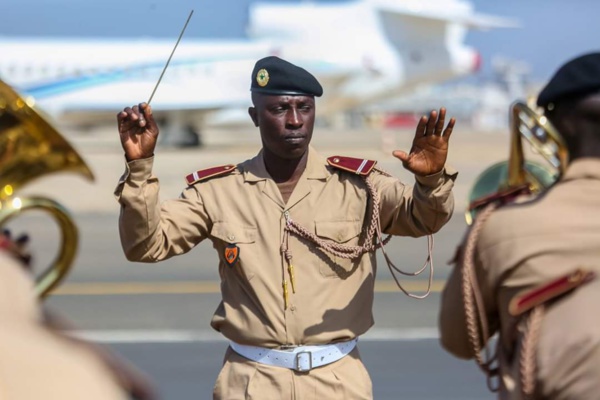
[{"x": 211, "y": 85}]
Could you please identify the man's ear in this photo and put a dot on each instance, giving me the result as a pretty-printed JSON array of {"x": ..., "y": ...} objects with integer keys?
[{"x": 253, "y": 115}]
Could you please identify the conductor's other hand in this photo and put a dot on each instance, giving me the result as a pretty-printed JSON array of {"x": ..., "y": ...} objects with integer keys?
[
  {"x": 430, "y": 145},
  {"x": 138, "y": 131}
]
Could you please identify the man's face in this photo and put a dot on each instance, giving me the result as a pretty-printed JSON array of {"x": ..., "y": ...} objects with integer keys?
[{"x": 285, "y": 123}]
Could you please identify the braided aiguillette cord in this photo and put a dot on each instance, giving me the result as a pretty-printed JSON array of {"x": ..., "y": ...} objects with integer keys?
[
  {"x": 369, "y": 244},
  {"x": 527, "y": 361},
  {"x": 475, "y": 315}
]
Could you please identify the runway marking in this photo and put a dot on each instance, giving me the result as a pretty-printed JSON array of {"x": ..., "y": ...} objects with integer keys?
[
  {"x": 189, "y": 336},
  {"x": 198, "y": 287}
]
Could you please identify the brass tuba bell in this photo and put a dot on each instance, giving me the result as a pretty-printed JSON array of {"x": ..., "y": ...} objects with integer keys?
[
  {"x": 29, "y": 148},
  {"x": 518, "y": 175}
]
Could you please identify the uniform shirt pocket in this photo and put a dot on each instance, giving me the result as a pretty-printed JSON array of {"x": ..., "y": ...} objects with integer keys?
[
  {"x": 346, "y": 233},
  {"x": 227, "y": 237}
]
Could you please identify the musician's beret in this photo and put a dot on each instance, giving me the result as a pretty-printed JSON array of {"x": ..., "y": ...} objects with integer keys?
[
  {"x": 577, "y": 78},
  {"x": 272, "y": 75}
]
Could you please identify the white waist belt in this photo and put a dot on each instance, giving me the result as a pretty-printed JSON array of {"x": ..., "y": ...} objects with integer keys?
[{"x": 301, "y": 358}]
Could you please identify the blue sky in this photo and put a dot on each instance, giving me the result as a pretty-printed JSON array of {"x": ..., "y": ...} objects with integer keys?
[{"x": 552, "y": 30}]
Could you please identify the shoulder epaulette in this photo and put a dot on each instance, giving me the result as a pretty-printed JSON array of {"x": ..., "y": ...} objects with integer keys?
[
  {"x": 204, "y": 174},
  {"x": 531, "y": 298},
  {"x": 357, "y": 166},
  {"x": 501, "y": 197}
]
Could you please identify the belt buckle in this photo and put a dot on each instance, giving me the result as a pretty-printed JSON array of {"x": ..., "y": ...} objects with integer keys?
[{"x": 303, "y": 353}]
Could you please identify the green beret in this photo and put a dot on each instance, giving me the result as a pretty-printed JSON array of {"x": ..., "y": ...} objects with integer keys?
[
  {"x": 577, "y": 78},
  {"x": 272, "y": 75}
]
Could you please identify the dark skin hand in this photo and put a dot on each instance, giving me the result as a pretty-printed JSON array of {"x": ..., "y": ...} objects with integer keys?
[
  {"x": 430, "y": 146},
  {"x": 138, "y": 131}
]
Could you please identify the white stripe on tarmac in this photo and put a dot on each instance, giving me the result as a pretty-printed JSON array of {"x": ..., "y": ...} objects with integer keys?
[
  {"x": 185, "y": 336},
  {"x": 203, "y": 287}
]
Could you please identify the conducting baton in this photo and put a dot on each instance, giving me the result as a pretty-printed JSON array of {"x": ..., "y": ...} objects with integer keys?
[{"x": 172, "y": 52}]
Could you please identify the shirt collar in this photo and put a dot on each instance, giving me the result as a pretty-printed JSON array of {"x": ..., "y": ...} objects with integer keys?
[
  {"x": 583, "y": 168},
  {"x": 316, "y": 167}
]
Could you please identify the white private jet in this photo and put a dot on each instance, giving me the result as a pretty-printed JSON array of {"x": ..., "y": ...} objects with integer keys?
[{"x": 361, "y": 51}]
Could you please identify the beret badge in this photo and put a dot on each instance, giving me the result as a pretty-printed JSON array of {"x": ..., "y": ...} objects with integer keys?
[{"x": 262, "y": 77}]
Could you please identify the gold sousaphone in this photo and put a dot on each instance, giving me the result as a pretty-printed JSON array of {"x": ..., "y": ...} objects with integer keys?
[
  {"x": 518, "y": 175},
  {"x": 29, "y": 148}
]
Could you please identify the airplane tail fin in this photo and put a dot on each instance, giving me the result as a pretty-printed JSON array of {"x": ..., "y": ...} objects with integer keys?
[
  {"x": 435, "y": 29},
  {"x": 444, "y": 11}
]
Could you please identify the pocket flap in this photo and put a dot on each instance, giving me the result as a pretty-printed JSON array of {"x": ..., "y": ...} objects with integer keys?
[
  {"x": 339, "y": 231},
  {"x": 233, "y": 233}
]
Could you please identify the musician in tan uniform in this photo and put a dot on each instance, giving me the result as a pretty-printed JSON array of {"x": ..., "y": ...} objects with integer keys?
[
  {"x": 294, "y": 233},
  {"x": 535, "y": 263},
  {"x": 36, "y": 362}
]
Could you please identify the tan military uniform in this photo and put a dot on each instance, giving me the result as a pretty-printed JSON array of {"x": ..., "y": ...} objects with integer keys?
[
  {"x": 333, "y": 297},
  {"x": 36, "y": 363},
  {"x": 525, "y": 245},
  {"x": 18, "y": 302}
]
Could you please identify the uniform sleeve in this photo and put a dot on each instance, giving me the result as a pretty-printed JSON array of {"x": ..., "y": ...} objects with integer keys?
[
  {"x": 18, "y": 301},
  {"x": 151, "y": 231},
  {"x": 454, "y": 335},
  {"x": 418, "y": 210}
]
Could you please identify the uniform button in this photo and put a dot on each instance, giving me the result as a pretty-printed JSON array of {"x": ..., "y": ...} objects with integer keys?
[
  {"x": 231, "y": 237},
  {"x": 293, "y": 308},
  {"x": 340, "y": 236}
]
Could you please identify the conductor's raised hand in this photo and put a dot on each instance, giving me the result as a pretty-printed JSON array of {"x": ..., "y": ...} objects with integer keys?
[
  {"x": 138, "y": 131},
  {"x": 430, "y": 145}
]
